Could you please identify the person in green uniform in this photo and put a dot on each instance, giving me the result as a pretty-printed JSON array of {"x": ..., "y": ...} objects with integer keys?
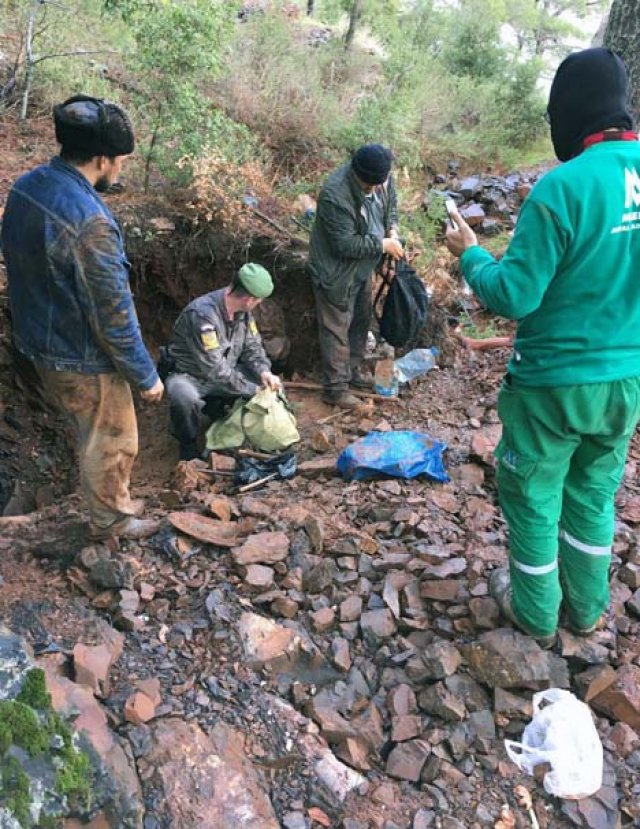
[{"x": 570, "y": 401}]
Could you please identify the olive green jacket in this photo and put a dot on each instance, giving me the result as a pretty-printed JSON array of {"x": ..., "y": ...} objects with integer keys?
[{"x": 342, "y": 250}]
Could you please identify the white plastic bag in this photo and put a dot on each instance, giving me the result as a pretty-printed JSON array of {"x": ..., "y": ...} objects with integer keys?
[{"x": 562, "y": 734}]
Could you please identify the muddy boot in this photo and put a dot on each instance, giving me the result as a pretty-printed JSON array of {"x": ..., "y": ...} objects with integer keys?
[
  {"x": 361, "y": 379},
  {"x": 133, "y": 528},
  {"x": 341, "y": 399},
  {"x": 500, "y": 590}
]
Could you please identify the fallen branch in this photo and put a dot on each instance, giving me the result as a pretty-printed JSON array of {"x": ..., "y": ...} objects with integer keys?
[
  {"x": 487, "y": 344},
  {"x": 250, "y": 453},
  {"x": 303, "y": 386},
  {"x": 256, "y": 484},
  {"x": 334, "y": 416}
]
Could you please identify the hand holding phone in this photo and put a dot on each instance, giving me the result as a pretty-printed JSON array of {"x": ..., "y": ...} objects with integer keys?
[{"x": 450, "y": 207}]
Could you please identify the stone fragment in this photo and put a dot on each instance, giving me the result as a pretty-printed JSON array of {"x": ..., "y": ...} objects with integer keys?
[
  {"x": 423, "y": 819},
  {"x": 405, "y": 727},
  {"x": 266, "y": 644},
  {"x": 368, "y": 726},
  {"x": 323, "y": 620},
  {"x": 151, "y": 687},
  {"x": 92, "y": 663},
  {"x": 594, "y": 680},
  {"x": 259, "y": 577},
  {"x": 335, "y": 728},
  {"x": 210, "y": 530},
  {"x": 621, "y": 699},
  {"x": 439, "y": 701},
  {"x": 139, "y": 709},
  {"x": 350, "y": 609},
  {"x": 463, "y": 686},
  {"x": 407, "y": 759},
  {"x": 441, "y": 659},
  {"x": 322, "y": 439},
  {"x": 220, "y": 463},
  {"x": 284, "y": 606},
  {"x": 505, "y": 658},
  {"x": 401, "y": 700},
  {"x": 206, "y": 781},
  {"x": 625, "y": 739},
  {"x": 512, "y": 706},
  {"x": 377, "y": 625},
  {"x": 262, "y": 548},
  {"x": 446, "y": 590},
  {"x": 484, "y": 613},
  {"x": 294, "y": 820},
  {"x": 147, "y": 591},
  {"x": 629, "y": 574},
  {"x": 340, "y": 654},
  {"x": 473, "y": 215},
  {"x": 320, "y": 577},
  {"x": 315, "y": 530},
  {"x": 633, "y": 605},
  {"x": 355, "y": 752},
  {"x": 326, "y": 465},
  {"x": 582, "y": 648}
]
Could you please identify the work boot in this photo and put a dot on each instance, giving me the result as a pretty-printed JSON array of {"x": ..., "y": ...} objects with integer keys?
[
  {"x": 341, "y": 399},
  {"x": 133, "y": 528},
  {"x": 361, "y": 379},
  {"x": 189, "y": 451},
  {"x": 500, "y": 590}
]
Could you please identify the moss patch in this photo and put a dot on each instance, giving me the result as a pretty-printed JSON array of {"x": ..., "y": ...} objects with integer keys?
[
  {"x": 15, "y": 790},
  {"x": 29, "y": 722}
]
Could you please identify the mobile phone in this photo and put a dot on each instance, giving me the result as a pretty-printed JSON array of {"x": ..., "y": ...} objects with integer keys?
[{"x": 450, "y": 206}]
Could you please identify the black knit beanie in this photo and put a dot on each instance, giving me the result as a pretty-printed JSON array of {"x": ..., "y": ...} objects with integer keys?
[
  {"x": 372, "y": 163},
  {"x": 589, "y": 93},
  {"x": 92, "y": 125}
]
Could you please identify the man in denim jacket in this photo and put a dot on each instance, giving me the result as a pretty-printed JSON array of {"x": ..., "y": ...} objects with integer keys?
[{"x": 71, "y": 304}]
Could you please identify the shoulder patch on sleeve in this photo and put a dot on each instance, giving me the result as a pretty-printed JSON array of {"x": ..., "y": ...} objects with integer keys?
[{"x": 209, "y": 337}]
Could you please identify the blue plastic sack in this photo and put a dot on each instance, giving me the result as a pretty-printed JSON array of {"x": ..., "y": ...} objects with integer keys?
[{"x": 399, "y": 454}]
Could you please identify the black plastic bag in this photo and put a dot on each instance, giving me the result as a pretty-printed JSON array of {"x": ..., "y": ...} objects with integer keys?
[
  {"x": 404, "y": 312},
  {"x": 249, "y": 470}
]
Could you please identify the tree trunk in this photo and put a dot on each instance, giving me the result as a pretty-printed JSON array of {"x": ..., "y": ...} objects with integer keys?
[
  {"x": 623, "y": 36},
  {"x": 354, "y": 19},
  {"x": 311, "y": 6},
  {"x": 29, "y": 63}
]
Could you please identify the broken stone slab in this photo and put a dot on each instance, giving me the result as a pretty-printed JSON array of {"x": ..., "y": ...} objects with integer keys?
[
  {"x": 506, "y": 658},
  {"x": 267, "y": 644},
  {"x": 401, "y": 700},
  {"x": 258, "y": 577},
  {"x": 262, "y": 548},
  {"x": 441, "y": 659},
  {"x": 512, "y": 706},
  {"x": 323, "y": 620},
  {"x": 314, "y": 468},
  {"x": 16, "y": 659},
  {"x": 350, "y": 609},
  {"x": 92, "y": 663},
  {"x": 439, "y": 701},
  {"x": 377, "y": 625},
  {"x": 582, "y": 648},
  {"x": 407, "y": 759},
  {"x": 447, "y": 590},
  {"x": 116, "y": 788},
  {"x": 405, "y": 727},
  {"x": 206, "y": 781},
  {"x": 209, "y": 530},
  {"x": 620, "y": 700},
  {"x": 355, "y": 752},
  {"x": 139, "y": 708},
  {"x": 600, "y": 811},
  {"x": 484, "y": 612},
  {"x": 341, "y": 654}
]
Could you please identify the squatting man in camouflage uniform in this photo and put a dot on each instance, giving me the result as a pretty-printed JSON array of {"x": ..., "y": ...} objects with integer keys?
[
  {"x": 71, "y": 305},
  {"x": 216, "y": 355}
]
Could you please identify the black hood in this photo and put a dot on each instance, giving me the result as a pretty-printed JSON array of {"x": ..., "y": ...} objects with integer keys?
[{"x": 589, "y": 93}]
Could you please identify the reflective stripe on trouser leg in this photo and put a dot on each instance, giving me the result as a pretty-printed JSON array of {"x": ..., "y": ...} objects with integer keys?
[
  {"x": 533, "y": 560},
  {"x": 585, "y": 579}
]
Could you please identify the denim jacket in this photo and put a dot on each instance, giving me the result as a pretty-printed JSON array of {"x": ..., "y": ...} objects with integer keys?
[{"x": 71, "y": 304}]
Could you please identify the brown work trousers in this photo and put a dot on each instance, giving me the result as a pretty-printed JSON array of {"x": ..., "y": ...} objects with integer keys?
[
  {"x": 342, "y": 334},
  {"x": 101, "y": 407}
]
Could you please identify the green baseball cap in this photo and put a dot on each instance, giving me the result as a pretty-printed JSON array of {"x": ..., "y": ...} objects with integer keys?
[{"x": 256, "y": 280}]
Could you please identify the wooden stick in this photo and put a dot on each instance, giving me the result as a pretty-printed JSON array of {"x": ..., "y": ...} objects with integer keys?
[
  {"x": 334, "y": 416},
  {"x": 261, "y": 456},
  {"x": 304, "y": 386},
  {"x": 258, "y": 483}
]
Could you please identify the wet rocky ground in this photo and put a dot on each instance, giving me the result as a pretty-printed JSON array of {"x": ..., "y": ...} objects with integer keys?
[{"x": 334, "y": 659}]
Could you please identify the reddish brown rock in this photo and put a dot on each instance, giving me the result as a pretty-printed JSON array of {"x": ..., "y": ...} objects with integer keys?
[
  {"x": 326, "y": 465},
  {"x": 265, "y": 643},
  {"x": 377, "y": 625},
  {"x": 621, "y": 699},
  {"x": 446, "y": 590},
  {"x": 323, "y": 619},
  {"x": 355, "y": 752},
  {"x": 441, "y": 659},
  {"x": 151, "y": 687},
  {"x": 439, "y": 701},
  {"x": 341, "y": 654},
  {"x": 405, "y": 727},
  {"x": 350, "y": 609},
  {"x": 262, "y": 548},
  {"x": 92, "y": 665},
  {"x": 206, "y": 782},
  {"x": 139, "y": 709},
  {"x": 594, "y": 680},
  {"x": 258, "y": 577},
  {"x": 284, "y": 606},
  {"x": 484, "y": 613},
  {"x": 78, "y": 704},
  {"x": 407, "y": 759},
  {"x": 401, "y": 700}
]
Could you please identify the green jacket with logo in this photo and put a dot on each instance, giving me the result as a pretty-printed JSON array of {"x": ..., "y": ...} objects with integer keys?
[
  {"x": 571, "y": 274},
  {"x": 342, "y": 250}
]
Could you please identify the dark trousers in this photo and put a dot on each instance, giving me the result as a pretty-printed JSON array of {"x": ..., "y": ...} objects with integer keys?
[
  {"x": 342, "y": 334},
  {"x": 191, "y": 408}
]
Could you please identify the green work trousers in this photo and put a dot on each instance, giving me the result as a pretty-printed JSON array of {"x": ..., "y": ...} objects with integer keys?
[{"x": 560, "y": 462}]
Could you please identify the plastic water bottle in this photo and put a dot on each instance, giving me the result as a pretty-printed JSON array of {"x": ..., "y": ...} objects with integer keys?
[
  {"x": 415, "y": 363},
  {"x": 386, "y": 376}
]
